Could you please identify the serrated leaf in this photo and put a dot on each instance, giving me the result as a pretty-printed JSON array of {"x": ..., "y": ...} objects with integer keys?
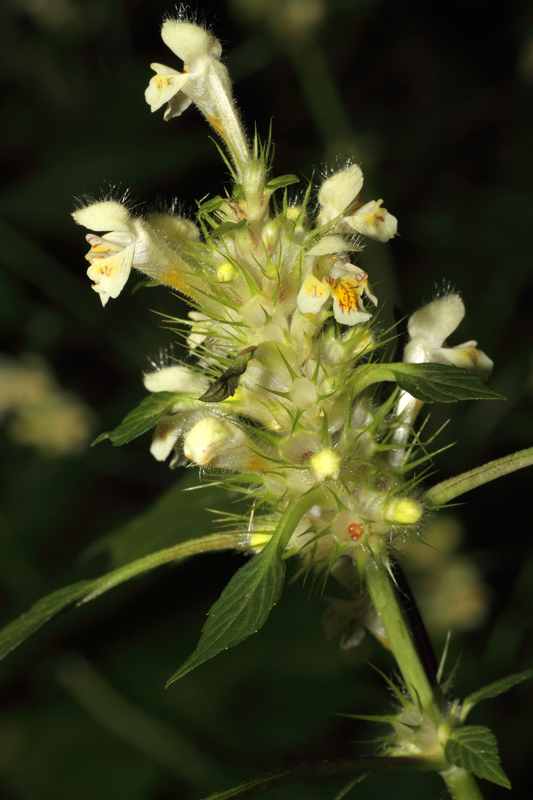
[
  {"x": 440, "y": 383},
  {"x": 209, "y": 205},
  {"x": 494, "y": 689},
  {"x": 242, "y": 608},
  {"x": 226, "y": 385},
  {"x": 226, "y": 227},
  {"x": 81, "y": 592},
  {"x": 474, "y": 748},
  {"x": 141, "y": 419},
  {"x": 282, "y": 181}
]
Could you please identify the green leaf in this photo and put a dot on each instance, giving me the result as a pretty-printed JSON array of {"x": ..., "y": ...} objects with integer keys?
[
  {"x": 439, "y": 383},
  {"x": 242, "y": 608},
  {"x": 226, "y": 227},
  {"x": 474, "y": 748},
  {"x": 247, "y": 600},
  {"x": 142, "y": 418},
  {"x": 226, "y": 385},
  {"x": 209, "y": 205},
  {"x": 20, "y": 629},
  {"x": 494, "y": 689},
  {"x": 283, "y": 180}
]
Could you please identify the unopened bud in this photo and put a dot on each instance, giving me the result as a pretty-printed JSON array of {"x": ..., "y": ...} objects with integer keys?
[
  {"x": 226, "y": 273},
  {"x": 257, "y": 541},
  {"x": 205, "y": 438},
  {"x": 326, "y": 464},
  {"x": 402, "y": 511}
]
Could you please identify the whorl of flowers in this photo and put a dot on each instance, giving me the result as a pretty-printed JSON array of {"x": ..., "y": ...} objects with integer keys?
[{"x": 276, "y": 394}]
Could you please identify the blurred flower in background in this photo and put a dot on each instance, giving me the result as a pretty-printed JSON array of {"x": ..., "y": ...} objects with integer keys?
[
  {"x": 38, "y": 413},
  {"x": 448, "y": 585},
  {"x": 288, "y": 20}
]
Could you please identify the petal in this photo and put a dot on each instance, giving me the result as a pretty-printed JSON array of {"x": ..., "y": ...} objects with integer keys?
[
  {"x": 175, "y": 379},
  {"x": 110, "y": 274},
  {"x": 104, "y": 246},
  {"x": 437, "y": 320},
  {"x": 312, "y": 295},
  {"x": 107, "y": 215},
  {"x": 166, "y": 434},
  {"x": 189, "y": 41},
  {"x": 347, "y": 304},
  {"x": 332, "y": 244},
  {"x": 176, "y": 106},
  {"x": 176, "y": 229},
  {"x": 339, "y": 191},
  {"x": 373, "y": 221},
  {"x": 164, "y": 86},
  {"x": 418, "y": 351},
  {"x": 469, "y": 358}
]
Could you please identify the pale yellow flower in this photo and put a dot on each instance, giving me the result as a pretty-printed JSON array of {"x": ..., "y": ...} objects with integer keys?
[
  {"x": 332, "y": 275},
  {"x": 430, "y": 326},
  {"x": 339, "y": 200}
]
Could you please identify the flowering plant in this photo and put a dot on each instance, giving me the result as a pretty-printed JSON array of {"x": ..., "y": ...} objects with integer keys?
[{"x": 287, "y": 399}]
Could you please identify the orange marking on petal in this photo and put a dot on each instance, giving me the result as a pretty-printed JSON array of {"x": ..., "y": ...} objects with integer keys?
[{"x": 347, "y": 294}]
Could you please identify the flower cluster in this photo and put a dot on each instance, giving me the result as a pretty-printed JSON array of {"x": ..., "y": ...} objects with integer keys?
[{"x": 275, "y": 394}]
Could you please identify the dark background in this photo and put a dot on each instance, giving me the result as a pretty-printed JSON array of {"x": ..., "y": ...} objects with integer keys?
[{"x": 435, "y": 101}]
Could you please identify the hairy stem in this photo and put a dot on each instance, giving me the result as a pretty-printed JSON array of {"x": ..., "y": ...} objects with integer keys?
[
  {"x": 386, "y": 603},
  {"x": 454, "y": 487},
  {"x": 461, "y": 784}
]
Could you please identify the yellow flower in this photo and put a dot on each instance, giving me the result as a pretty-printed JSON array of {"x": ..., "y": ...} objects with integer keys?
[{"x": 332, "y": 275}]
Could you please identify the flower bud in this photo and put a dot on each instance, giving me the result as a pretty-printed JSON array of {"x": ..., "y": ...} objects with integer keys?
[
  {"x": 257, "y": 541},
  {"x": 226, "y": 273},
  {"x": 206, "y": 438},
  {"x": 326, "y": 464},
  {"x": 402, "y": 511}
]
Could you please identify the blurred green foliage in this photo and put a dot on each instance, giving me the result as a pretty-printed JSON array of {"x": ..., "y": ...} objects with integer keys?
[{"x": 435, "y": 101}]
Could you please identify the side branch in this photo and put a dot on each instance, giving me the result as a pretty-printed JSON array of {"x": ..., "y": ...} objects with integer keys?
[{"x": 460, "y": 484}]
